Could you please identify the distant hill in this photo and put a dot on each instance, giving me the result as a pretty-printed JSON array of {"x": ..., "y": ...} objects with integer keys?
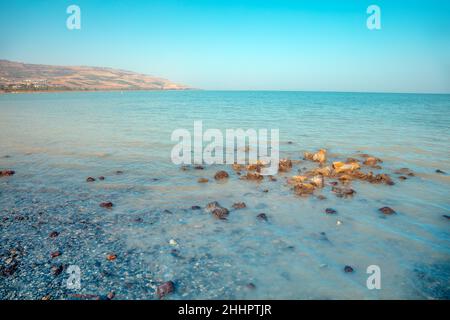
[{"x": 16, "y": 76}]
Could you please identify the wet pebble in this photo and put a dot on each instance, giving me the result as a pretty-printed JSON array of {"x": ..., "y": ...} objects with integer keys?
[
  {"x": 202, "y": 180},
  {"x": 111, "y": 257}
]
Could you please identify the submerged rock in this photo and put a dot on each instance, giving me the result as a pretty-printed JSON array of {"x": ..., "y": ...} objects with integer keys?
[
  {"x": 57, "y": 269},
  {"x": 101, "y": 178},
  {"x": 437, "y": 171},
  {"x": 55, "y": 254},
  {"x": 7, "y": 173},
  {"x": 199, "y": 167},
  {"x": 217, "y": 210},
  {"x": 220, "y": 175},
  {"x": 202, "y": 180},
  {"x": 165, "y": 289},
  {"x": 107, "y": 205},
  {"x": 372, "y": 161},
  {"x": 348, "y": 269},
  {"x": 387, "y": 210},
  {"x": 239, "y": 205},
  {"x": 53, "y": 234},
  {"x": 330, "y": 211},
  {"x": 195, "y": 207},
  {"x": 253, "y": 176},
  {"x": 220, "y": 213},
  {"x": 404, "y": 171},
  {"x": 304, "y": 189},
  {"x": 262, "y": 217},
  {"x": 343, "y": 192},
  {"x": 90, "y": 179}
]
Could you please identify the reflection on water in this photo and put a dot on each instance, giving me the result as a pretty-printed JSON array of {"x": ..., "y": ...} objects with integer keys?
[{"x": 55, "y": 141}]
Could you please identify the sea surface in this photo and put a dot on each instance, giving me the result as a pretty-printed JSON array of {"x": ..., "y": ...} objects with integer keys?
[{"x": 54, "y": 141}]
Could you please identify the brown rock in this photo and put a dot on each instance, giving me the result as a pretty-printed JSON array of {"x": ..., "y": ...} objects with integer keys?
[
  {"x": 57, "y": 269},
  {"x": 55, "y": 254},
  {"x": 284, "y": 165},
  {"x": 220, "y": 175},
  {"x": 111, "y": 257},
  {"x": 253, "y": 176},
  {"x": 165, "y": 289},
  {"x": 107, "y": 205},
  {"x": 387, "y": 210},
  {"x": 320, "y": 156},
  {"x": 371, "y": 161},
  {"x": 220, "y": 213},
  {"x": 239, "y": 205},
  {"x": 6, "y": 173},
  {"x": 202, "y": 180},
  {"x": 304, "y": 189},
  {"x": 53, "y": 234},
  {"x": 343, "y": 192}
]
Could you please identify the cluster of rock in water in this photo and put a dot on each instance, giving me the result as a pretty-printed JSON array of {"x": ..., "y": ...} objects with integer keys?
[{"x": 307, "y": 182}]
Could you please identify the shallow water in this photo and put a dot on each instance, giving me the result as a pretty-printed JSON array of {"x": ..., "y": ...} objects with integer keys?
[{"x": 54, "y": 141}]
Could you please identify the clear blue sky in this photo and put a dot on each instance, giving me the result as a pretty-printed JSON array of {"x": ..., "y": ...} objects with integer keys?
[{"x": 228, "y": 44}]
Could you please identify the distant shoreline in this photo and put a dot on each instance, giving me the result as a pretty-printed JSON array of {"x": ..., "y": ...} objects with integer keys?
[{"x": 90, "y": 90}]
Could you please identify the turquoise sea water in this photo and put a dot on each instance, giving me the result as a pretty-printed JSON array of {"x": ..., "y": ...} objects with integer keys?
[{"x": 55, "y": 141}]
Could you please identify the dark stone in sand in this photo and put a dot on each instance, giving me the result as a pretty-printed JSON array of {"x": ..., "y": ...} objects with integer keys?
[
  {"x": 221, "y": 175},
  {"x": 165, "y": 289},
  {"x": 348, "y": 269},
  {"x": 107, "y": 205},
  {"x": 437, "y": 171},
  {"x": 57, "y": 269},
  {"x": 53, "y": 234},
  {"x": 239, "y": 205},
  {"x": 330, "y": 211},
  {"x": 262, "y": 217},
  {"x": 90, "y": 179},
  {"x": 6, "y": 173},
  {"x": 290, "y": 142},
  {"x": 387, "y": 210},
  {"x": 101, "y": 178},
  {"x": 195, "y": 207},
  {"x": 55, "y": 254}
]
